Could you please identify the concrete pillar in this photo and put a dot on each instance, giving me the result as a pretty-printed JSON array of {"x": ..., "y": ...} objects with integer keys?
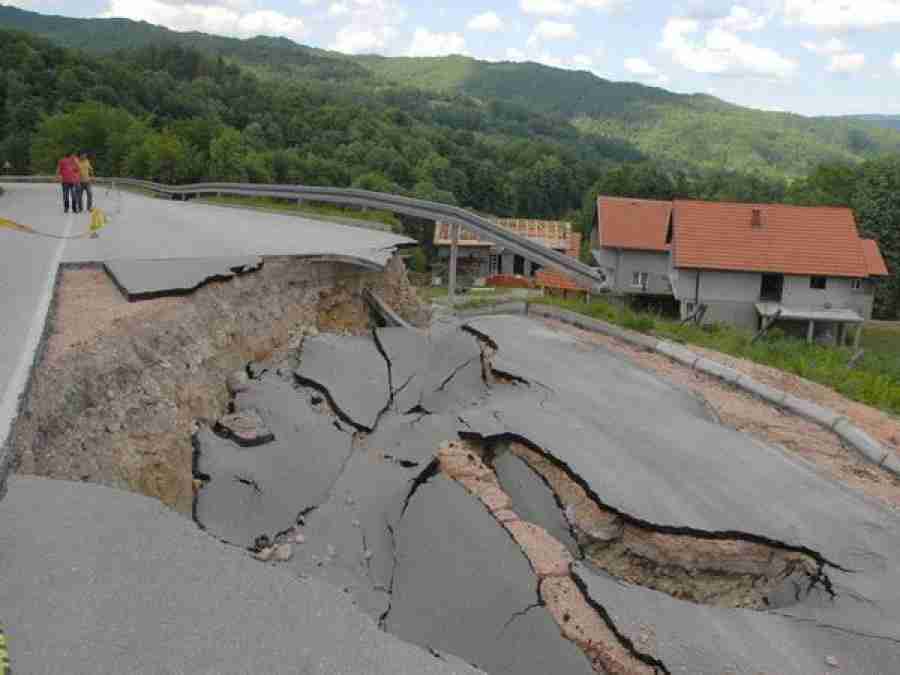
[
  {"x": 527, "y": 269},
  {"x": 811, "y": 332},
  {"x": 840, "y": 336},
  {"x": 454, "y": 253},
  {"x": 857, "y": 340}
]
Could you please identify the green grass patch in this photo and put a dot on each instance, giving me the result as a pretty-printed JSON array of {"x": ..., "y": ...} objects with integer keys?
[
  {"x": 874, "y": 381},
  {"x": 432, "y": 293},
  {"x": 381, "y": 220}
]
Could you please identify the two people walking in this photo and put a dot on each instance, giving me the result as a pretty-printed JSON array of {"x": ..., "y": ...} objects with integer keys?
[{"x": 76, "y": 174}]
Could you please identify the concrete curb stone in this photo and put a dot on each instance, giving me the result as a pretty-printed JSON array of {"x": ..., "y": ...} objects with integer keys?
[
  {"x": 812, "y": 411},
  {"x": 860, "y": 440},
  {"x": 849, "y": 433},
  {"x": 711, "y": 367},
  {"x": 514, "y": 308},
  {"x": 677, "y": 353}
]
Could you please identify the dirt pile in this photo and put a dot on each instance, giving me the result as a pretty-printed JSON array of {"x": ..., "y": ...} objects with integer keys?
[{"x": 116, "y": 395}]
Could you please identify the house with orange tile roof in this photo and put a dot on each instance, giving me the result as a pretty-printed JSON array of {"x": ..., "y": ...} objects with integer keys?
[
  {"x": 628, "y": 243},
  {"x": 478, "y": 259},
  {"x": 807, "y": 267}
]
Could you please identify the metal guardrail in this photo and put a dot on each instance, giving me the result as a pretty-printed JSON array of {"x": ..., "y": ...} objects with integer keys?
[{"x": 487, "y": 230}]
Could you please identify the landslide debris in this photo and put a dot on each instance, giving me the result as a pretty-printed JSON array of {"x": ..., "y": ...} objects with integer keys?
[{"x": 723, "y": 572}]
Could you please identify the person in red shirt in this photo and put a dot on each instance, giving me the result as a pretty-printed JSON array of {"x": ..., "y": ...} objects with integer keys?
[{"x": 68, "y": 172}]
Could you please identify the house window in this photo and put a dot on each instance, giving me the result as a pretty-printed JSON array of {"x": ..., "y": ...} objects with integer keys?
[
  {"x": 493, "y": 264},
  {"x": 856, "y": 284},
  {"x": 640, "y": 279},
  {"x": 818, "y": 283},
  {"x": 519, "y": 265},
  {"x": 771, "y": 288}
]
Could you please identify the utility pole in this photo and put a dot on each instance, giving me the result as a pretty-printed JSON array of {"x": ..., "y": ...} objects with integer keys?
[{"x": 454, "y": 253}]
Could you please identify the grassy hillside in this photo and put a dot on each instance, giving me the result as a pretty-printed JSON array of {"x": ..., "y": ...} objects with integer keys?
[{"x": 681, "y": 131}]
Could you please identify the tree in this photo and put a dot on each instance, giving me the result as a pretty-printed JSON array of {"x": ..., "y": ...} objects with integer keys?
[
  {"x": 877, "y": 205},
  {"x": 162, "y": 157},
  {"x": 226, "y": 156},
  {"x": 110, "y": 133},
  {"x": 827, "y": 185}
]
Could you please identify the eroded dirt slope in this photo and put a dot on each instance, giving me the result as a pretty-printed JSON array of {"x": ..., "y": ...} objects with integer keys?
[{"x": 118, "y": 391}]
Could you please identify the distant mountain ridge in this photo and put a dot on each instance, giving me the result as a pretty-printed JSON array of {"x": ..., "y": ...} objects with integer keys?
[
  {"x": 681, "y": 130},
  {"x": 884, "y": 121}
]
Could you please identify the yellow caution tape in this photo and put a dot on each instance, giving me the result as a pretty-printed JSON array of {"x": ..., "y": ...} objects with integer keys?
[{"x": 98, "y": 222}]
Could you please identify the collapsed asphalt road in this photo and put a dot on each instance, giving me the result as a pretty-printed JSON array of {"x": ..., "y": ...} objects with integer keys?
[{"x": 504, "y": 494}]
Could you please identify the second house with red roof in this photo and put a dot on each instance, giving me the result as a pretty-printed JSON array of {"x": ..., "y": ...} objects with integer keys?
[{"x": 743, "y": 264}]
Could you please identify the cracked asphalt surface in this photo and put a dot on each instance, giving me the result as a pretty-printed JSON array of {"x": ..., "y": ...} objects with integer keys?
[{"x": 352, "y": 485}]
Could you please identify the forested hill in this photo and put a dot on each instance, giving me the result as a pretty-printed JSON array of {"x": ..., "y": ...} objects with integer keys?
[
  {"x": 681, "y": 131},
  {"x": 885, "y": 121},
  {"x": 105, "y": 36}
]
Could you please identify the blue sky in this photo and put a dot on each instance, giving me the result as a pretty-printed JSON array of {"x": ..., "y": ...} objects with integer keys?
[{"x": 815, "y": 57}]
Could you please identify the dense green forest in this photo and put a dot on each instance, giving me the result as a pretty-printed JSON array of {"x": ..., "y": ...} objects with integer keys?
[{"x": 187, "y": 107}]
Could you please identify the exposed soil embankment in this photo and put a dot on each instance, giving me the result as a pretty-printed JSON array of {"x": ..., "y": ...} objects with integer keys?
[{"x": 115, "y": 396}]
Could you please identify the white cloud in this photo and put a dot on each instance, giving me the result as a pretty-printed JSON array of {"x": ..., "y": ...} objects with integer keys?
[
  {"x": 741, "y": 19},
  {"x": 582, "y": 61},
  {"x": 550, "y": 60},
  {"x": 353, "y": 40},
  {"x": 896, "y": 61},
  {"x": 487, "y": 22},
  {"x": 607, "y": 5},
  {"x": 840, "y": 58},
  {"x": 552, "y": 30},
  {"x": 547, "y": 7},
  {"x": 638, "y": 66},
  {"x": 846, "y": 63},
  {"x": 223, "y": 18},
  {"x": 831, "y": 46},
  {"x": 367, "y": 26},
  {"x": 645, "y": 71},
  {"x": 842, "y": 14},
  {"x": 721, "y": 52},
  {"x": 338, "y": 9},
  {"x": 517, "y": 55},
  {"x": 426, "y": 43}
]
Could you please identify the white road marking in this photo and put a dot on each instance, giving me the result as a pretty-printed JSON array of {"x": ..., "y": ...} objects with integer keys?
[{"x": 9, "y": 405}]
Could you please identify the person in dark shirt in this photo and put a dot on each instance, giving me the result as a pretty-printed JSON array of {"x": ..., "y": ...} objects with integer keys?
[{"x": 68, "y": 172}]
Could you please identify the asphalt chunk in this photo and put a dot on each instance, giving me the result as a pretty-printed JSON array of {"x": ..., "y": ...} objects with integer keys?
[
  {"x": 351, "y": 372},
  {"x": 248, "y": 492},
  {"x": 463, "y": 586}
]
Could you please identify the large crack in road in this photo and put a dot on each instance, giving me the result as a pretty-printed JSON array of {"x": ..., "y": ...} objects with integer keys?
[{"x": 465, "y": 537}]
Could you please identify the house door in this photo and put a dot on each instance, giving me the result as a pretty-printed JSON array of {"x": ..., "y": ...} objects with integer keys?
[{"x": 772, "y": 287}]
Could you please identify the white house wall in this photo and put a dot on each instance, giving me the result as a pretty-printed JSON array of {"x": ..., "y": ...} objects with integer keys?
[
  {"x": 731, "y": 297},
  {"x": 838, "y": 294},
  {"x": 620, "y": 266}
]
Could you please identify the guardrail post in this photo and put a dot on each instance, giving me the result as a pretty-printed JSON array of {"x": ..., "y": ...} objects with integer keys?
[{"x": 454, "y": 252}]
